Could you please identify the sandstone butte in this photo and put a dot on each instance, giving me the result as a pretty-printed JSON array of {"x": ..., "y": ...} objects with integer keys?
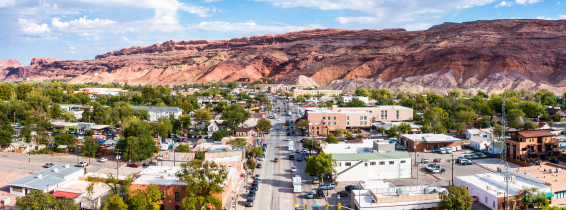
[{"x": 492, "y": 55}]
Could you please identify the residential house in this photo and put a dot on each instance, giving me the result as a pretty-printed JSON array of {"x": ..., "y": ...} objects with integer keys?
[
  {"x": 481, "y": 132},
  {"x": 496, "y": 147},
  {"x": 45, "y": 180},
  {"x": 372, "y": 166},
  {"x": 480, "y": 143},
  {"x": 388, "y": 196},
  {"x": 556, "y": 110},
  {"x": 490, "y": 189},
  {"x": 531, "y": 144},
  {"x": 250, "y": 131},
  {"x": 77, "y": 189},
  {"x": 155, "y": 112},
  {"x": 428, "y": 141},
  {"x": 212, "y": 127},
  {"x": 543, "y": 126}
]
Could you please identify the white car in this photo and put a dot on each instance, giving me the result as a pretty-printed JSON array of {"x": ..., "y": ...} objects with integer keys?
[
  {"x": 293, "y": 169},
  {"x": 103, "y": 159},
  {"x": 82, "y": 164},
  {"x": 469, "y": 152}
]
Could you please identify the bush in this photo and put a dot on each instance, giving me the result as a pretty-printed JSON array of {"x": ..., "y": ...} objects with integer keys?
[{"x": 42, "y": 151}]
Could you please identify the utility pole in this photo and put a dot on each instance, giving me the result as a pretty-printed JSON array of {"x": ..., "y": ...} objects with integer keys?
[
  {"x": 452, "y": 169},
  {"x": 117, "y": 152},
  {"x": 14, "y": 119}
]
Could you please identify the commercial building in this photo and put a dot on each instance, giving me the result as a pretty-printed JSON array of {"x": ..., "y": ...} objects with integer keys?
[
  {"x": 346, "y": 99},
  {"x": 324, "y": 120},
  {"x": 428, "y": 141},
  {"x": 551, "y": 174},
  {"x": 297, "y": 92},
  {"x": 490, "y": 189},
  {"x": 358, "y": 146},
  {"x": 45, "y": 180},
  {"x": 372, "y": 166},
  {"x": 531, "y": 144},
  {"x": 385, "y": 195},
  {"x": 250, "y": 131},
  {"x": 155, "y": 112}
]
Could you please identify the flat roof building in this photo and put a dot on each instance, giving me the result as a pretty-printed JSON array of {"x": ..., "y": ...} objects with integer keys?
[
  {"x": 387, "y": 196},
  {"x": 297, "y": 92},
  {"x": 531, "y": 144},
  {"x": 428, "y": 141},
  {"x": 45, "y": 180},
  {"x": 155, "y": 112},
  {"x": 552, "y": 174},
  {"x": 372, "y": 166}
]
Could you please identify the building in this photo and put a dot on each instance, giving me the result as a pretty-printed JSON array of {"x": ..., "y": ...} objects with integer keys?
[
  {"x": 480, "y": 143},
  {"x": 297, "y": 92},
  {"x": 496, "y": 147},
  {"x": 388, "y": 124},
  {"x": 77, "y": 189},
  {"x": 485, "y": 133},
  {"x": 97, "y": 92},
  {"x": 428, "y": 141},
  {"x": 155, "y": 112},
  {"x": 212, "y": 127},
  {"x": 77, "y": 110},
  {"x": 45, "y": 180},
  {"x": 372, "y": 166},
  {"x": 174, "y": 190},
  {"x": 385, "y": 195},
  {"x": 489, "y": 189},
  {"x": 531, "y": 144},
  {"x": 551, "y": 174},
  {"x": 324, "y": 120},
  {"x": 250, "y": 131},
  {"x": 358, "y": 146},
  {"x": 346, "y": 99}
]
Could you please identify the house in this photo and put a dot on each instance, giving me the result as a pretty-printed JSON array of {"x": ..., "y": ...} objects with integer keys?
[
  {"x": 21, "y": 147},
  {"x": 297, "y": 92},
  {"x": 385, "y": 195},
  {"x": 250, "y": 131},
  {"x": 496, "y": 147},
  {"x": 155, "y": 112},
  {"x": 428, "y": 141},
  {"x": 490, "y": 188},
  {"x": 485, "y": 133},
  {"x": 212, "y": 127},
  {"x": 372, "y": 166},
  {"x": 45, "y": 180},
  {"x": 480, "y": 143},
  {"x": 557, "y": 110},
  {"x": 346, "y": 99},
  {"x": 543, "y": 126},
  {"x": 531, "y": 144},
  {"x": 77, "y": 189},
  {"x": 165, "y": 177}
]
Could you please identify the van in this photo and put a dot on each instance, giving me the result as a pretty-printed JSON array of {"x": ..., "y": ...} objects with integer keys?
[
  {"x": 442, "y": 150},
  {"x": 458, "y": 148},
  {"x": 453, "y": 149},
  {"x": 449, "y": 150}
]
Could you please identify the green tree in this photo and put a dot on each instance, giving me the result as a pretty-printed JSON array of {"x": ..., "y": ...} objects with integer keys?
[
  {"x": 35, "y": 199},
  {"x": 263, "y": 125},
  {"x": 331, "y": 139},
  {"x": 318, "y": 165},
  {"x": 220, "y": 107},
  {"x": 114, "y": 202},
  {"x": 456, "y": 197},
  {"x": 138, "y": 200},
  {"x": 362, "y": 92},
  {"x": 515, "y": 118},
  {"x": 250, "y": 163},
  {"x": 527, "y": 196},
  {"x": 311, "y": 144},
  {"x": 203, "y": 115},
  {"x": 154, "y": 196},
  {"x": 261, "y": 98},
  {"x": 220, "y": 134},
  {"x": 6, "y": 92},
  {"x": 137, "y": 136},
  {"x": 531, "y": 108},
  {"x": 256, "y": 152},
  {"x": 355, "y": 103},
  {"x": 435, "y": 118},
  {"x": 234, "y": 116},
  {"x": 302, "y": 124},
  {"x": 69, "y": 116},
  {"x": 497, "y": 129},
  {"x": 162, "y": 127},
  {"x": 202, "y": 179},
  {"x": 238, "y": 142},
  {"x": 6, "y": 131},
  {"x": 65, "y": 139},
  {"x": 405, "y": 128},
  {"x": 90, "y": 147},
  {"x": 529, "y": 125},
  {"x": 66, "y": 204},
  {"x": 183, "y": 148},
  {"x": 23, "y": 90}
]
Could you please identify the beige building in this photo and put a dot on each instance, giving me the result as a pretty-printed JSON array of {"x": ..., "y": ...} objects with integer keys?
[
  {"x": 316, "y": 92},
  {"x": 324, "y": 120}
]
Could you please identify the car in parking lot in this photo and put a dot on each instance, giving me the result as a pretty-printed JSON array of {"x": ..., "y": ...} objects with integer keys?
[
  {"x": 327, "y": 186},
  {"x": 48, "y": 165},
  {"x": 258, "y": 165},
  {"x": 315, "y": 180},
  {"x": 257, "y": 177},
  {"x": 425, "y": 160},
  {"x": 293, "y": 169},
  {"x": 436, "y": 160},
  {"x": 133, "y": 165},
  {"x": 434, "y": 168},
  {"x": 349, "y": 188},
  {"x": 466, "y": 162},
  {"x": 262, "y": 158},
  {"x": 468, "y": 151},
  {"x": 82, "y": 164},
  {"x": 276, "y": 160},
  {"x": 251, "y": 194},
  {"x": 442, "y": 150},
  {"x": 475, "y": 156},
  {"x": 297, "y": 151},
  {"x": 468, "y": 157},
  {"x": 309, "y": 195},
  {"x": 250, "y": 202},
  {"x": 254, "y": 186},
  {"x": 103, "y": 159},
  {"x": 449, "y": 150},
  {"x": 299, "y": 158}
]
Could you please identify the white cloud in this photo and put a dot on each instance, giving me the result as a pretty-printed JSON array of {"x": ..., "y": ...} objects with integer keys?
[
  {"x": 249, "y": 27},
  {"x": 211, "y": 1},
  {"x": 559, "y": 17},
  {"x": 347, "y": 20},
  {"x": 523, "y": 2},
  {"x": 31, "y": 28},
  {"x": 417, "y": 26},
  {"x": 504, "y": 4},
  {"x": 81, "y": 23},
  {"x": 6, "y": 3}
]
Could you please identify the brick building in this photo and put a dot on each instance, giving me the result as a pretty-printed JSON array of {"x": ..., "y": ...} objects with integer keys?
[
  {"x": 428, "y": 141},
  {"x": 531, "y": 144}
]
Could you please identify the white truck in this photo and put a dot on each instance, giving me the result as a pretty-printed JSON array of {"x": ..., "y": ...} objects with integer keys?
[
  {"x": 297, "y": 184},
  {"x": 291, "y": 146},
  {"x": 164, "y": 147}
]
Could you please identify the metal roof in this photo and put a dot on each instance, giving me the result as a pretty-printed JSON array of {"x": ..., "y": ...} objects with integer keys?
[
  {"x": 45, "y": 178},
  {"x": 370, "y": 156}
]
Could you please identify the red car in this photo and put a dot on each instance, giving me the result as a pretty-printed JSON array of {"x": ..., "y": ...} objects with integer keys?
[
  {"x": 276, "y": 160},
  {"x": 133, "y": 165}
]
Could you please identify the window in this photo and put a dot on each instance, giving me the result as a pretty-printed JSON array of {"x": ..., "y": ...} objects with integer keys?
[
  {"x": 493, "y": 204},
  {"x": 324, "y": 118},
  {"x": 391, "y": 162},
  {"x": 177, "y": 208},
  {"x": 177, "y": 196},
  {"x": 366, "y": 164},
  {"x": 365, "y": 117},
  {"x": 347, "y": 123},
  {"x": 334, "y": 123},
  {"x": 162, "y": 207},
  {"x": 348, "y": 164},
  {"x": 372, "y": 163},
  {"x": 334, "y": 117},
  {"x": 361, "y": 122},
  {"x": 485, "y": 200},
  {"x": 403, "y": 161},
  {"x": 361, "y": 117},
  {"x": 381, "y": 163},
  {"x": 347, "y": 117}
]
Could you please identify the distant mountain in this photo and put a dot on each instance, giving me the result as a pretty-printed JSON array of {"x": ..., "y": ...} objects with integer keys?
[{"x": 491, "y": 55}]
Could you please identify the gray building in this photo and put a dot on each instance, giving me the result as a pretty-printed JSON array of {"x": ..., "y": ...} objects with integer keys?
[
  {"x": 155, "y": 112},
  {"x": 45, "y": 180}
]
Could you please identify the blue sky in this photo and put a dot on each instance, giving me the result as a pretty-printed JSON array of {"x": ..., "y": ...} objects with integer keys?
[{"x": 82, "y": 29}]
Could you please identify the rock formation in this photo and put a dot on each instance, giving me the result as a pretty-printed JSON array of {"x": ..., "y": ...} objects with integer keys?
[{"x": 491, "y": 55}]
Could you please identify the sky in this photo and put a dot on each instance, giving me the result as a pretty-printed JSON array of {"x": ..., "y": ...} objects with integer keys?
[{"x": 82, "y": 29}]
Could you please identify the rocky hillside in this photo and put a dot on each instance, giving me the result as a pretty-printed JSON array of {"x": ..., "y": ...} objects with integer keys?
[{"x": 491, "y": 55}]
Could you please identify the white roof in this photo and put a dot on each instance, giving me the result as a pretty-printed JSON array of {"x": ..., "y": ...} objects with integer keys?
[
  {"x": 366, "y": 146},
  {"x": 476, "y": 131},
  {"x": 495, "y": 184},
  {"x": 479, "y": 139},
  {"x": 430, "y": 137},
  {"x": 79, "y": 186},
  {"x": 159, "y": 175}
]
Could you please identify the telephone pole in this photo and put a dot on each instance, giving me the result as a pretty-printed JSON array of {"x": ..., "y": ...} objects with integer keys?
[
  {"x": 117, "y": 152},
  {"x": 452, "y": 169}
]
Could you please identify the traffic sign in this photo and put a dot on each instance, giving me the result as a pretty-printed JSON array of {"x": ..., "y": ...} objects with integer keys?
[{"x": 315, "y": 205}]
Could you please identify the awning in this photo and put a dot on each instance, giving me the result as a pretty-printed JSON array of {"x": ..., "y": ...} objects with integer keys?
[
  {"x": 101, "y": 142},
  {"x": 548, "y": 195},
  {"x": 110, "y": 148},
  {"x": 63, "y": 194}
]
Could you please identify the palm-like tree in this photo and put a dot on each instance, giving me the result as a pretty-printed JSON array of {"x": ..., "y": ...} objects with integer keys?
[{"x": 526, "y": 196}]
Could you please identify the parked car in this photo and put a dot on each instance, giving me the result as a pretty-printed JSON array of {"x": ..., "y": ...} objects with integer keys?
[
  {"x": 458, "y": 148},
  {"x": 297, "y": 151},
  {"x": 256, "y": 177},
  {"x": 475, "y": 156},
  {"x": 315, "y": 180},
  {"x": 309, "y": 195},
  {"x": 251, "y": 194},
  {"x": 425, "y": 160},
  {"x": 262, "y": 158},
  {"x": 299, "y": 158},
  {"x": 82, "y": 164},
  {"x": 133, "y": 165},
  {"x": 554, "y": 160},
  {"x": 434, "y": 168},
  {"x": 482, "y": 155},
  {"x": 399, "y": 147},
  {"x": 449, "y": 150},
  {"x": 293, "y": 169},
  {"x": 466, "y": 162},
  {"x": 319, "y": 193},
  {"x": 48, "y": 165},
  {"x": 254, "y": 186},
  {"x": 327, "y": 186},
  {"x": 291, "y": 156},
  {"x": 288, "y": 134},
  {"x": 276, "y": 160},
  {"x": 103, "y": 159},
  {"x": 468, "y": 157},
  {"x": 459, "y": 159},
  {"x": 349, "y": 188},
  {"x": 442, "y": 150},
  {"x": 468, "y": 151},
  {"x": 258, "y": 165},
  {"x": 250, "y": 202},
  {"x": 437, "y": 160}
]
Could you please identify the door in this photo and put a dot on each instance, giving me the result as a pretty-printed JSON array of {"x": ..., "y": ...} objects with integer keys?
[{"x": 435, "y": 146}]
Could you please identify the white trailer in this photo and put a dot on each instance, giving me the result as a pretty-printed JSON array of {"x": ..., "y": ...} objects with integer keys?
[
  {"x": 291, "y": 146},
  {"x": 297, "y": 184}
]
